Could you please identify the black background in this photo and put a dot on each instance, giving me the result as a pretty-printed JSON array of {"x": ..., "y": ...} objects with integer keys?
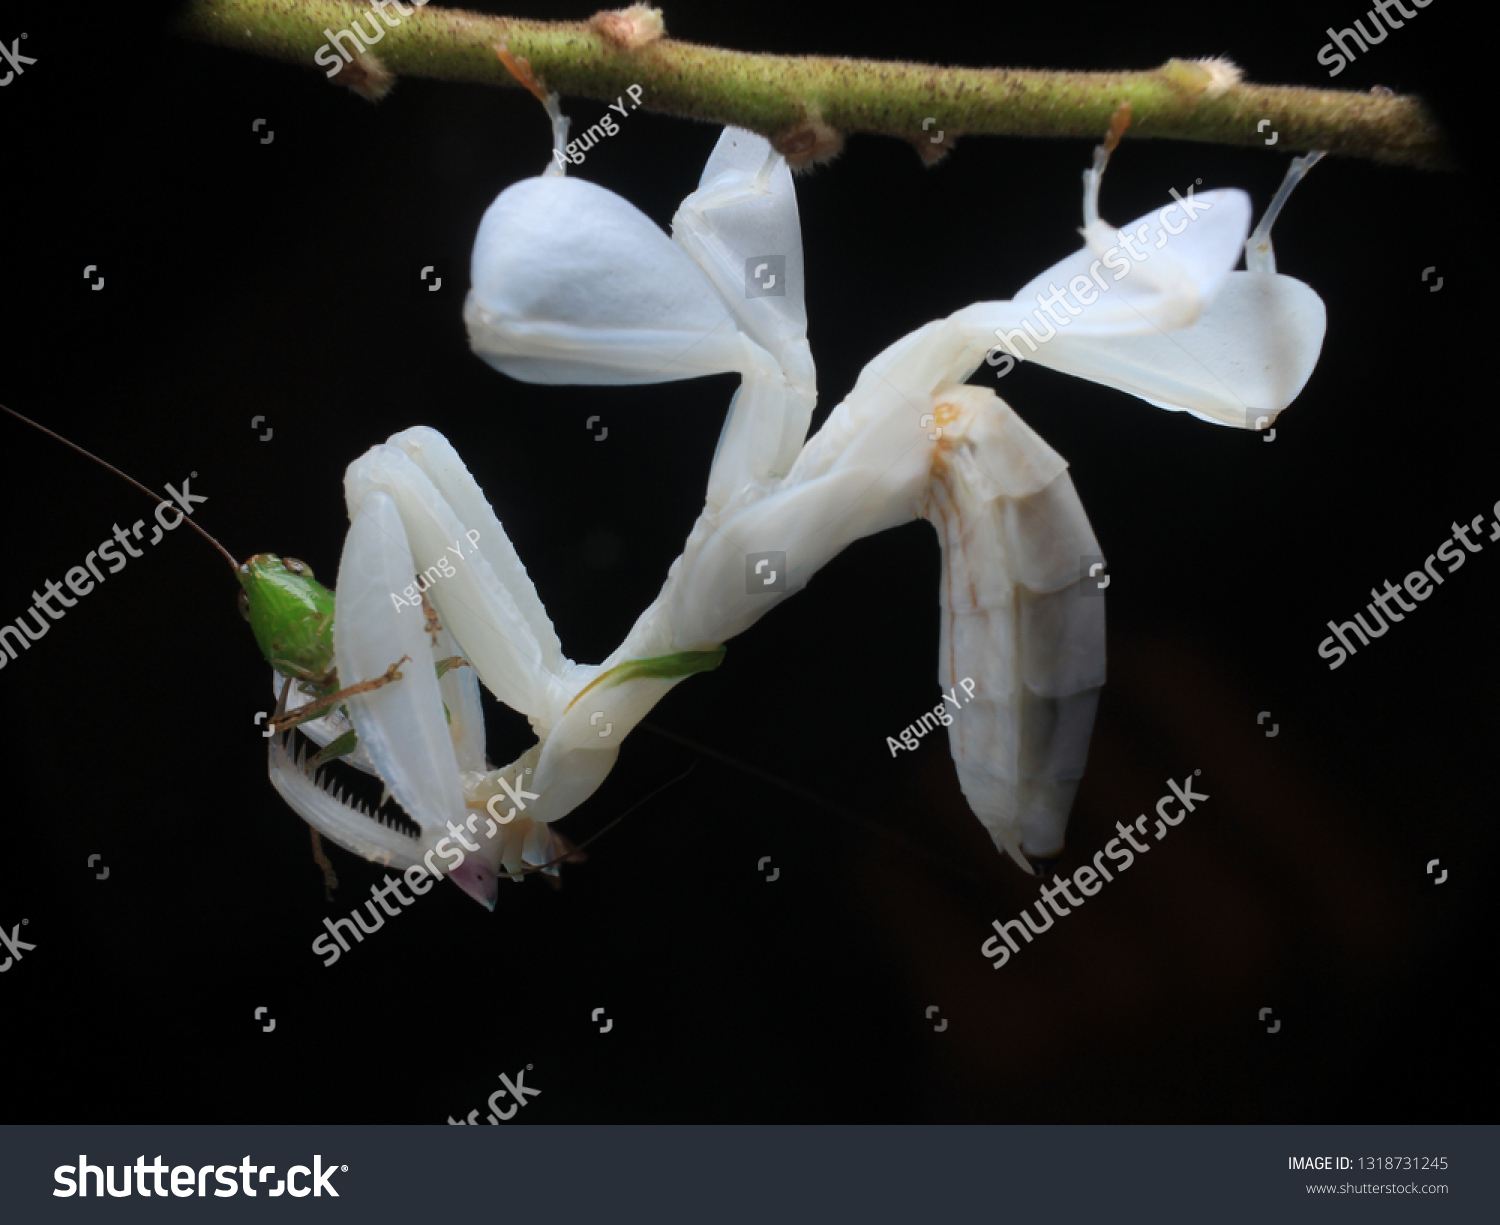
[{"x": 283, "y": 280}]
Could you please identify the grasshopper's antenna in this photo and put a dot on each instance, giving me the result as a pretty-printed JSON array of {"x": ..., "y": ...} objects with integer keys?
[{"x": 233, "y": 565}]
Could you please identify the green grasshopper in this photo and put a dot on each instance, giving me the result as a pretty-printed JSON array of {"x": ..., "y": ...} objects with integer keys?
[{"x": 291, "y": 615}]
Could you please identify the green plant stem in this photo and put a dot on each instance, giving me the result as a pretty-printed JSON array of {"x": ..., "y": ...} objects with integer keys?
[{"x": 782, "y": 97}]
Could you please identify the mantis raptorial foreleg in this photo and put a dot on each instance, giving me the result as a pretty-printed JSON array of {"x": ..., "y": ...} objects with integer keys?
[{"x": 290, "y": 613}]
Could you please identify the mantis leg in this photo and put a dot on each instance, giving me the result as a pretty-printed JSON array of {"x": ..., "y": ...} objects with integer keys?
[
  {"x": 520, "y": 67},
  {"x": 439, "y": 517},
  {"x": 742, "y": 230},
  {"x": 367, "y": 834},
  {"x": 1258, "y": 254}
]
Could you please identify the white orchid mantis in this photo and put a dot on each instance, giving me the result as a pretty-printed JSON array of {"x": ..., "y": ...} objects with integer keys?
[{"x": 572, "y": 284}]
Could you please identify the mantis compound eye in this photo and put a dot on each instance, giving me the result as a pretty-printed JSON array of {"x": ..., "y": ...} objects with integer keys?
[
  {"x": 300, "y": 568},
  {"x": 245, "y": 605}
]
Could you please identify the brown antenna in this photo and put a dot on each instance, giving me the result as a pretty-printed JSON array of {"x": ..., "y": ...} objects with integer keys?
[{"x": 234, "y": 565}]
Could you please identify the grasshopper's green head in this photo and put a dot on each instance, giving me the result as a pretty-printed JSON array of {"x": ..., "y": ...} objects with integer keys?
[{"x": 291, "y": 615}]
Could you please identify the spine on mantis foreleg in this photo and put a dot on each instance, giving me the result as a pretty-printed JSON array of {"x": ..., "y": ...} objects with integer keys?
[{"x": 1022, "y": 647}]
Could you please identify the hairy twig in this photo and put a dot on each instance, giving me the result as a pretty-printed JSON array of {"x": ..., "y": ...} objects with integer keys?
[{"x": 806, "y": 105}]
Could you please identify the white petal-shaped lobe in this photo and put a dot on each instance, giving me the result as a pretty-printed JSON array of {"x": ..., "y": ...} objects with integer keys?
[
  {"x": 743, "y": 234},
  {"x": 572, "y": 284},
  {"x": 1154, "y": 278},
  {"x": 1250, "y": 354}
]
